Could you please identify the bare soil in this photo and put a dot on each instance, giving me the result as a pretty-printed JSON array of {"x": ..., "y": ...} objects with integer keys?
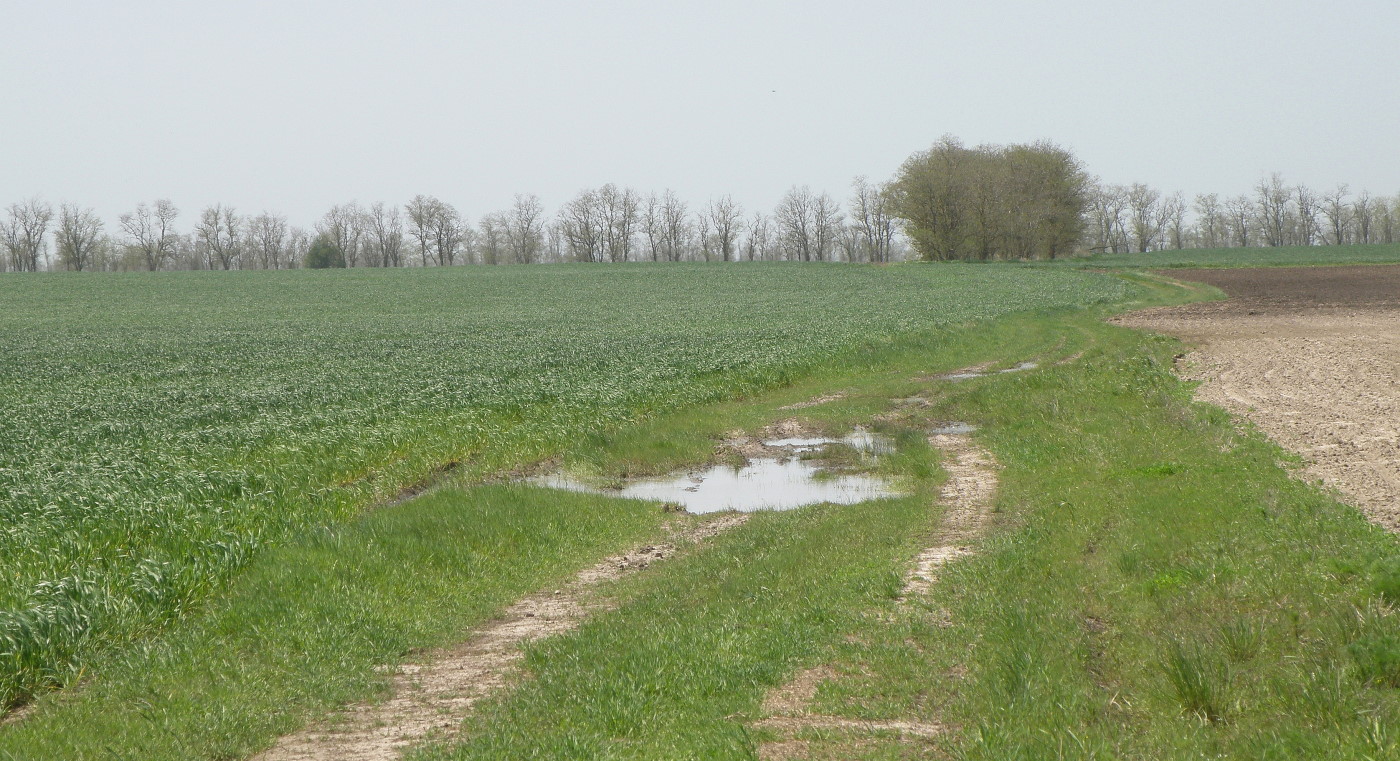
[
  {"x": 1312, "y": 357},
  {"x": 433, "y": 696},
  {"x": 967, "y": 498}
]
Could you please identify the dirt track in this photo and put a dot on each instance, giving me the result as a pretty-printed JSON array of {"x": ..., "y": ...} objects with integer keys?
[{"x": 1312, "y": 356}]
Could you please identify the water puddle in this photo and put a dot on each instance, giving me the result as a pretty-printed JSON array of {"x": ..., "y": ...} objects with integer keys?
[
  {"x": 765, "y": 483},
  {"x": 955, "y": 428},
  {"x": 969, "y": 374}
]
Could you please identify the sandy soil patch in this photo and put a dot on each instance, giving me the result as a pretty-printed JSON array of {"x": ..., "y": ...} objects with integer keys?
[{"x": 1312, "y": 357}]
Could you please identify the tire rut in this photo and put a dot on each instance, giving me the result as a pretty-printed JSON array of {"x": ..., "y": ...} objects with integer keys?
[
  {"x": 967, "y": 497},
  {"x": 431, "y": 698}
]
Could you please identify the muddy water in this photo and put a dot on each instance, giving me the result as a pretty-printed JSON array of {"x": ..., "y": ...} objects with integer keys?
[{"x": 765, "y": 483}]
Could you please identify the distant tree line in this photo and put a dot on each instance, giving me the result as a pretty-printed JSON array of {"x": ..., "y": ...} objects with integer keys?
[
  {"x": 989, "y": 202},
  {"x": 605, "y": 224},
  {"x": 1139, "y": 218}
]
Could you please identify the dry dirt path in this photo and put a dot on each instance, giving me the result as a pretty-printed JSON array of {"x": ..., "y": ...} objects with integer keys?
[
  {"x": 967, "y": 497},
  {"x": 434, "y": 696},
  {"x": 1312, "y": 357}
]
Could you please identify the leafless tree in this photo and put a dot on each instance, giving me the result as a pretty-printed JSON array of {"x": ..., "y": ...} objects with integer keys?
[
  {"x": 1338, "y": 212},
  {"x": 1107, "y": 208},
  {"x": 758, "y": 244},
  {"x": 151, "y": 232},
  {"x": 795, "y": 222},
  {"x": 871, "y": 222},
  {"x": 726, "y": 219},
  {"x": 267, "y": 241},
  {"x": 344, "y": 226},
  {"x": 219, "y": 234},
  {"x": 1143, "y": 215},
  {"x": 78, "y": 237},
  {"x": 1239, "y": 211},
  {"x": 437, "y": 227},
  {"x": 1273, "y": 198},
  {"x": 491, "y": 238},
  {"x": 1211, "y": 228},
  {"x": 1306, "y": 203},
  {"x": 524, "y": 229},
  {"x": 619, "y": 211},
  {"x": 1363, "y": 213},
  {"x": 384, "y": 228},
  {"x": 24, "y": 233},
  {"x": 582, "y": 227},
  {"x": 1173, "y": 220}
]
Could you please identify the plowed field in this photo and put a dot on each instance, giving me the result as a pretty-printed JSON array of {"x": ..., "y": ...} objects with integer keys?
[{"x": 1310, "y": 355}]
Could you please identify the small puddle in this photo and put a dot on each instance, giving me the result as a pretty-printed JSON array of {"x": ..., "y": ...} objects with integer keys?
[
  {"x": 955, "y": 428},
  {"x": 765, "y": 483},
  {"x": 969, "y": 374}
]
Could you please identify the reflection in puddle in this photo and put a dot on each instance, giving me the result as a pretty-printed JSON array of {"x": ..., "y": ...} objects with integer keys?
[
  {"x": 765, "y": 483},
  {"x": 860, "y": 439}
]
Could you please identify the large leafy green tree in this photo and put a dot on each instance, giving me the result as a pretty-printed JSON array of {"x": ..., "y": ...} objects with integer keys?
[{"x": 992, "y": 201}]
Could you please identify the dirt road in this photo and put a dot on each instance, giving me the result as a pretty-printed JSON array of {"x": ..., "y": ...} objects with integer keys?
[{"x": 1311, "y": 356}]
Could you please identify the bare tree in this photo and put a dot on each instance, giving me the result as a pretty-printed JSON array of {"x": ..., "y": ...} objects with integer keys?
[
  {"x": 151, "y": 232},
  {"x": 344, "y": 226},
  {"x": 675, "y": 226},
  {"x": 726, "y": 219},
  {"x": 870, "y": 219},
  {"x": 618, "y": 210},
  {"x": 1306, "y": 203},
  {"x": 1363, "y": 213},
  {"x": 79, "y": 235},
  {"x": 581, "y": 225},
  {"x": 24, "y": 233},
  {"x": 268, "y": 241},
  {"x": 795, "y": 223},
  {"x": 827, "y": 224},
  {"x": 1143, "y": 215},
  {"x": 385, "y": 231},
  {"x": 758, "y": 243},
  {"x": 219, "y": 234},
  {"x": 524, "y": 229},
  {"x": 1211, "y": 228},
  {"x": 438, "y": 229},
  {"x": 491, "y": 238},
  {"x": 1239, "y": 211},
  {"x": 1338, "y": 213},
  {"x": 1173, "y": 220},
  {"x": 1106, "y": 209},
  {"x": 1273, "y": 197}
]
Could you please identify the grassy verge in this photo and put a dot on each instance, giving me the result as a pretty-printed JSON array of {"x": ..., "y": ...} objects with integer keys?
[{"x": 304, "y": 628}]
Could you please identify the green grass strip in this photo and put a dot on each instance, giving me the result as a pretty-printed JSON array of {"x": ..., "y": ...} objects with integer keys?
[{"x": 304, "y": 628}]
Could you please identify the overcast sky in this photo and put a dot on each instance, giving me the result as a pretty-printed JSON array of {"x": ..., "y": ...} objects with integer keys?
[{"x": 294, "y": 106}]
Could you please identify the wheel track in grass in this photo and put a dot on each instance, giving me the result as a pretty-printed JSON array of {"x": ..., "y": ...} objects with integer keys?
[
  {"x": 967, "y": 496},
  {"x": 432, "y": 697}
]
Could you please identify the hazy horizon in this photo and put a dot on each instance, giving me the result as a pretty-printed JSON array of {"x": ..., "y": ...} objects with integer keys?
[{"x": 295, "y": 107}]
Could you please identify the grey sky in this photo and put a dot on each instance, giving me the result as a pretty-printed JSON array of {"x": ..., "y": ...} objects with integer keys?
[{"x": 295, "y": 106}]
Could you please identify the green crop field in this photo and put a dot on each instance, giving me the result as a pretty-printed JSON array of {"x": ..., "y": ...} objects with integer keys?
[
  {"x": 157, "y": 431},
  {"x": 1282, "y": 256}
]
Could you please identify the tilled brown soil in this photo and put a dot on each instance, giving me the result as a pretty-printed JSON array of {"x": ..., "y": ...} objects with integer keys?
[{"x": 1310, "y": 355}]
